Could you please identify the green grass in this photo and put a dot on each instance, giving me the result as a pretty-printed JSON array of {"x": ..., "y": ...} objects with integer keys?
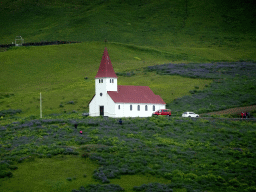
[
  {"x": 168, "y": 87},
  {"x": 139, "y": 34},
  {"x": 158, "y": 24},
  {"x": 58, "y": 72},
  {"x": 203, "y": 154},
  {"x": 50, "y": 174}
]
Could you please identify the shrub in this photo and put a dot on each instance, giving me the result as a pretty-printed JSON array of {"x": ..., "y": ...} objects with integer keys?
[
  {"x": 4, "y": 173},
  {"x": 156, "y": 187},
  {"x": 49, "y": 155},
  {"x": 69, "y": 179},
  {"x": 168, "y": 176},
  {"x": 13, "y": 167},
  {"x": 250, "y": 189},
  {"x": 100, "y": 188},
  {"x": 10, "y": 112},
  {"x": 85, "y": 155}
]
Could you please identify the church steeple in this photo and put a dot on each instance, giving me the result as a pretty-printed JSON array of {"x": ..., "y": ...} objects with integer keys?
[
  {"x": 106, "y": 68},
  {"x": 106, "y": 79}
]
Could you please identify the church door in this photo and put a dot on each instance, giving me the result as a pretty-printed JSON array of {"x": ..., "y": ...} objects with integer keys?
[{"x": 101, "y": 110}]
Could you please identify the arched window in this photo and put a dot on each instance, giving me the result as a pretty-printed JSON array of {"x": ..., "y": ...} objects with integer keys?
[
  {"x": 101, "y": 80},
  {"x": 118, "y": 106},
  {"x": 110, "y": 81},
  {"x": 146, "y": 107},
  {"x": 138, "y": 107},
  {"x": 154, "y": 108},
  {"x": 130, "y": 107}
]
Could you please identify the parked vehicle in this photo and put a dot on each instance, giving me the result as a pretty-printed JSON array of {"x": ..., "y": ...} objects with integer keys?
[
  {"x": 163, "y": 112},
  {"x": 190, "y": 114}
]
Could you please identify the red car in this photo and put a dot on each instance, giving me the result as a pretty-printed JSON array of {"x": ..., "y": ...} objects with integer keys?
[{"x": 163, "y": 112}]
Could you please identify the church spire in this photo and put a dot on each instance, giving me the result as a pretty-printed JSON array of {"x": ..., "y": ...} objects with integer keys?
[{"x": 106, "y": 68}]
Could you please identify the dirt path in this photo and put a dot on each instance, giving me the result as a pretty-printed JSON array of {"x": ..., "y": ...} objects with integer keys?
[{"x": 232, "y": 111}]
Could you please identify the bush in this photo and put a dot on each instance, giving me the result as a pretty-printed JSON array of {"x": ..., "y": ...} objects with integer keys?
[
  {"x": 4, "y": 173},
  {"x": 85, "y": 155},
  {"x": 13, "y": 167},
  {"x": 10, "y": 112},
  {"x": 156, "y": 187},
  {"x": 100, "y": 188},
  {"x": 69, "y": 179}
]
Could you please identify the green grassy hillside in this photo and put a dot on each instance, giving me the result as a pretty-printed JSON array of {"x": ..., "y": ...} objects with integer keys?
[
  {"x": 139, "y": 34},
  {"x": 59, "y": 71},
  {"x": 162, "y": 23},
  {"x": 187, "y": 154},
  {"x": 181, "y": 154}
]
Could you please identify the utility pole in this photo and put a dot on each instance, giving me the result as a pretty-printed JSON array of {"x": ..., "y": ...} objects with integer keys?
[{"x": 40, "y": 105}]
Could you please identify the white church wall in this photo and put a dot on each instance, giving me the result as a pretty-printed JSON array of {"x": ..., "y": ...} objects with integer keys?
[
  {"x": 92, "y": 108},
  {"x": 102, "y": 85},
  {"x": 125, "y": 110},
  {"x": 110, "y": 107},
  {"x": 104, "y": 100},
  {"x": 111, "y": 86}
]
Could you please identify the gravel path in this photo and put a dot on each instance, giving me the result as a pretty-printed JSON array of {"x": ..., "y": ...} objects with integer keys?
[{"x": 232, "y": 111}]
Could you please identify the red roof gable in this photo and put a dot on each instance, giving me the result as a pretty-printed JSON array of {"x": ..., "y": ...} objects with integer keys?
[
  {"x": 106, "y": 68},
  {"x": 135, "y": 94}
]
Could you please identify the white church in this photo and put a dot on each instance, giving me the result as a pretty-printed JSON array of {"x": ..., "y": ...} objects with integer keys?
[{"x": 114, "y": 100}]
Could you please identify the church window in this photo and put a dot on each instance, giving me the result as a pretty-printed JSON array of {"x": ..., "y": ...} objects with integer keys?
[
  {"x": 110, "y": 81},
  {"x": 154, "y": 108},
  {"x": 138, "y": 107},
  {"x": 130, "y": 107},
  {"x": 100, "y": 94},
  {"x": 118, "y": 106},
  {"x": 101, "y": 80},
  {"x": 146, "y": 107}
]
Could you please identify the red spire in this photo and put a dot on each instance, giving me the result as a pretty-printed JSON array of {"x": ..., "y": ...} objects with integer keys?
[{"x": 106, "y": 68}]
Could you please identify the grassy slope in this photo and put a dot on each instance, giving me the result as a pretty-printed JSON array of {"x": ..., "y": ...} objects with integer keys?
[
  {"x": 56, "y": 72},
  {"x": 193, "y": 154},
  {"x": 155, "y": 32},
  {"x": 162, "y": 24}
]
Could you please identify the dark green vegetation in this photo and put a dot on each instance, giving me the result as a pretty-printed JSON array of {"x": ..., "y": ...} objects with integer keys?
[
  {"x": 149, "y": 154},
  {"x": 233, "y": 85},
  {"x": 151, "y": 23},
  {"x": 191, "y": 154},
  {"x": 138, "y": 33}
]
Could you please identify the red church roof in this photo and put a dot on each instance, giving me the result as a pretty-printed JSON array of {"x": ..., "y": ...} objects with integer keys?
[
  {"x": 135, "y": 94},
  {"x": 106, "y": 68}
]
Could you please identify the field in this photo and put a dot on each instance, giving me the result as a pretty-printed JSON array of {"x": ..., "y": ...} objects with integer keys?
[
  {"x": 179, "y": 154},
  {"x": 197, "y": 55}
]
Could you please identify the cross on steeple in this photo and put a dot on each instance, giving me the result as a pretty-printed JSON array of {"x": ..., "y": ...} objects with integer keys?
[{"x": 105, "y": 42}]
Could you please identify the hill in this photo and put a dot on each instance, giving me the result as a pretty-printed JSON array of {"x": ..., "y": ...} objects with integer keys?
[
  {"x": 180, "y": 154},
  {"x": 159, "y": 153},
  {"x": 139, "y": 34},
  {"x": 162, "y": 23}
]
